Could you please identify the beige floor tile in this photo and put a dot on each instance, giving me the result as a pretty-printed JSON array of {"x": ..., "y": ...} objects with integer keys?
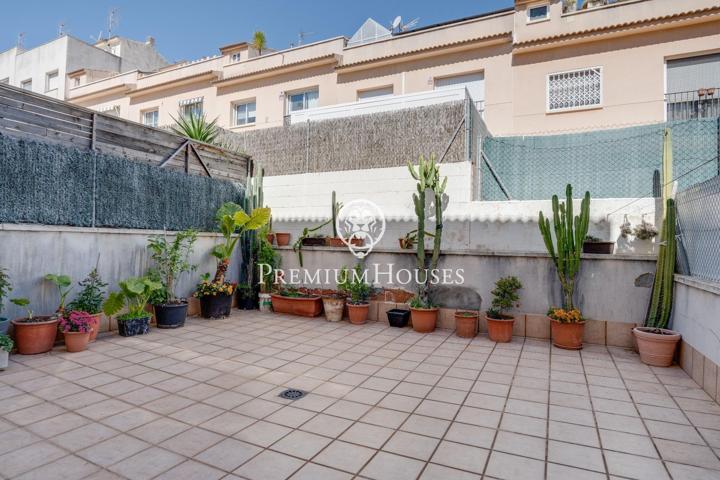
[
  {"x": 228, "y": 423},
  {"x": 478, "y": 416},
  {"x": 627, "y": 443},
  {"x": 301, "y": 444},
  {"x": 563, "y": 472},
  {"x": 522, "y": 424},
  {"x": 387, "y": 465},
  {"x": 229, "y": 454},
  {"x": 147, "y": 464},
  {"x": 69, "y": 467},
  {"x": 575, "y": 456},
  {"x": 84, "y": 436},
  {"x": 687, "y": 472},
  {"x": 21, "y": 460},
  {"x": 385, "y": 417},
  {"x": 192, "y": 470},
  {"x": 431, "y": 427},
  {"x": 432, "y": 408},
  {"x": 504, "y": 466},
  {"x": 344, "y": 456},
  {"x": 262, "y": 433},
  {"x": 113, "y": 450},
  {"x": 191, "y": 441},
  {"x": 56, "y": 425},
  {"x": 130, "y": 419},
  {"x": 159, "y": 430},
  {"x": 290, "y": 416},
  {"x": 440, "y": 472},
  {"x": 463, "y": 457},
  {"x": 269, "y": 466},
  {"x": 312, "y": 471},
  {"x": 696, "y": 455},
  {"x": 517, "y": 444},
  {"x": 621, "y": 423},
  {"x": 412, "y": 445},
  {"x": 372, "y": 436},
  {"x": 632, "y": 466}
]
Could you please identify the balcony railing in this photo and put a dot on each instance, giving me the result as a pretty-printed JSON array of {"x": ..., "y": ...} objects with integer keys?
[
  {"x": 570, "y": 6},
  {"x": 702, "y": 103}
]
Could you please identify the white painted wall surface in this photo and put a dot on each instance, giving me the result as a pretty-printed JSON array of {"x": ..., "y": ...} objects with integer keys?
[{"x": 695, "y": 315}]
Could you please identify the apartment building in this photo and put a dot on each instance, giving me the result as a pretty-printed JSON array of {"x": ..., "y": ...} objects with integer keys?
[
  {"x": 542, "y": 66},
  {"x": 56, "y": 66}
]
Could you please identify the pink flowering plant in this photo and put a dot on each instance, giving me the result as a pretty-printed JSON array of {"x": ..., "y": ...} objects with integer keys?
[{"x": 76, "y": 322}]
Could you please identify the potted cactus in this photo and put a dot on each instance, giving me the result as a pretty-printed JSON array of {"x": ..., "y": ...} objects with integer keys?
[
  {"x": 655, "y": 342},
  {"x": 34, "y": 334},
  {"x": 353, "y": 283},
  {"x": 90, "y": 300},
  {"x": 499, "y": 322},
  {"x": 567, "y": 323},
  {"x": 135, "y": 292},
  {"x": 5, "y": 289},
  {"x": 335, "y": 240},
  {"x": 171, "y": 261},
  {"x": 6, "y": 346},
  {"x": 423, "y": 312}
]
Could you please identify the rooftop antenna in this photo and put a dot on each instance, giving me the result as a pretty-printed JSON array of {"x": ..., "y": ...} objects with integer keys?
[
  {"x": 410, "y": 24},
  {"x": 21, "y": 40},
  {"x": 61, "y": 29},
  {"x": 303, "y": 35},
  {"x": 113, "y": 21}
]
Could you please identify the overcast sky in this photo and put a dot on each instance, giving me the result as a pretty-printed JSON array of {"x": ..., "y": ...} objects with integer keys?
[{"x": 186, "y": 30}]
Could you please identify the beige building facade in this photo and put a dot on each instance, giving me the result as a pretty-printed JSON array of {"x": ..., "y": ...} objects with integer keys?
[{"x": 542, "y": 67}]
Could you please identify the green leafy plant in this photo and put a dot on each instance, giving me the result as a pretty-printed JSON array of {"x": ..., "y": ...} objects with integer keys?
[
  {"x": 505, "y": 297},
  {"x": 23, "y": 303},
  {"x": 5, "y": 286},
  {"x": 134, "y": 294},
  {"x": 309, "y": 232},
  {"x": 266, "y": 255},
  {"x": 6, "y": 343},
  {"x": 658, "y": 315},
  {"x": 161, "y": 295},
  {"x": 645, "y": 231},
  {"x": 91, "y": 295},
  {"x": 427, "y": 174},
  {"x": 570, "y": 233},
  {"x": 172, "y": 259},
  {"x": 591, "y": 239},
  {"x": 353, "y": 283},
  {"x": 259, "y": 41},
  {"x": 233, "y": 221},
  {"x": 196, "y": 127},
  {"x": 63, "y": 284},
  {"x": 417, "y": 302}
]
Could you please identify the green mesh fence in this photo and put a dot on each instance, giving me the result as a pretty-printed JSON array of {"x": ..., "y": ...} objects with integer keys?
[
  {"x": 55, "y": 185},
  {"x": 621, "y": 163}
]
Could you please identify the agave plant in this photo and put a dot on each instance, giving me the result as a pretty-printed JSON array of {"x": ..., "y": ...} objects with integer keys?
[{"x": 196, "y": 127}]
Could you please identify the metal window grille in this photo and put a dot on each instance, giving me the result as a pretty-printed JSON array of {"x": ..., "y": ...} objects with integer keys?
[{"x": 574, "y": 90}]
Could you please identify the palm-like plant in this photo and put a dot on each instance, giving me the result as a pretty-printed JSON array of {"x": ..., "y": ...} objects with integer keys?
[
  {"x": 196, "y": 126},
  {"x": 259, "y": 42}
]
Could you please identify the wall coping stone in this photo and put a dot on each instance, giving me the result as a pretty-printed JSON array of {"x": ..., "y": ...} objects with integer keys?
[{"x": 694, "y": 282}]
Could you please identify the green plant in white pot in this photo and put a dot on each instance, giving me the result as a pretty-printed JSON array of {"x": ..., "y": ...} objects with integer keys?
[{"x": 6, "y": 346}]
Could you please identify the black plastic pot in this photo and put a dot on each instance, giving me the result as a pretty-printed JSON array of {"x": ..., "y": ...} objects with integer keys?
[
  {"x": 314, "y": 242},
  {"x": 598, "y": 247},
  {"x": 134, "y": 326},
  {"x": 215, "y": 306},
  {"x": 398, "y": 317},
  {"x": 171, "y": 315},
  {"x": 247, "y": 299}
]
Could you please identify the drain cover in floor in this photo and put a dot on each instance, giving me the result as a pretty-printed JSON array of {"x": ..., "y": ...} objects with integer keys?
[{"x": 292, "y": 394}]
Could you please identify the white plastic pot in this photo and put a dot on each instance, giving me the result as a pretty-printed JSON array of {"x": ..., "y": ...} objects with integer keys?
[
  {"x": 4, "y": 359},
  {"x": 265, "y": 301}
]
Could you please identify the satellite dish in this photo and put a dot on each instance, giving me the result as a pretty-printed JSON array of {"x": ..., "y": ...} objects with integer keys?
[{"x": 397, "y": 22}]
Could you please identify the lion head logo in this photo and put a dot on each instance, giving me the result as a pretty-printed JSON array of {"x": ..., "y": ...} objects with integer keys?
[{"x": 361, "y": 225}]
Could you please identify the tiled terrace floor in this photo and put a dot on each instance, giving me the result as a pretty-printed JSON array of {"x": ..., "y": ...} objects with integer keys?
[{"x": 202, "y": 403}]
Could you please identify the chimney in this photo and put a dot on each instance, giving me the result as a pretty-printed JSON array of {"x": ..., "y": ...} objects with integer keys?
[{"x": 150, "y": 41}]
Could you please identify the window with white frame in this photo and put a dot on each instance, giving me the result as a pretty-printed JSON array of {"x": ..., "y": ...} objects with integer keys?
[
  {"x": 302, "y": 100},
  {"x": 375, "y": 93},
  {"x": 235, "y": 57},
  {"x": 191, "y": 106},
  {"x": 538, "y": 13},
  {"x": 26, "y": 84},
  {"x": 51, "y": 81},
  {"x": 150, "y": 118},
  {"x": 244, "y": 113},
  {"x": 574, "y": 90}
]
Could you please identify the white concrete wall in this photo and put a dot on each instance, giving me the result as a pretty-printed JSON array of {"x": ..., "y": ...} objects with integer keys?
[
  {"x": 695, "y": 315},
  {"x": 30, "y": 251},
  {"x": 303, "y": 200}
]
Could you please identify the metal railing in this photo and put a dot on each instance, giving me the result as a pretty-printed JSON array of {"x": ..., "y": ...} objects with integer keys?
[
  {"x": 701, "y": 103},
  {"x": 570, "y": 6}
]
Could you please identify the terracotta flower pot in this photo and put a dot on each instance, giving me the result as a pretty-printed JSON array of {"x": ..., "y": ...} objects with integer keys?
[
  {"x": 423, "y": 319},
  {"x": 358, "y": 242},
  {"x": 500, "y": 329},
  {"x": 358, "y": 313},
  {"x": 466, "y": 324},
  {"x": 567, "y": 335},
  {"x": 334, "y": 308},
  {"x": 334, "y": 242},
  {"x": 302, "y": 306},
  {"x": 282, "y": 239},
  {"x": 271, "y": 238},
  {"x": 76, "y": 341},
  {"x": 95, "y": 325},
  {"x": 656, "y": 349},
  {"x": 37, "y": 336}
]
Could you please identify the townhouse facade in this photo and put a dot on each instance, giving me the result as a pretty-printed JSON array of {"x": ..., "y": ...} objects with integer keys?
[{"x": 540, "y": 67}]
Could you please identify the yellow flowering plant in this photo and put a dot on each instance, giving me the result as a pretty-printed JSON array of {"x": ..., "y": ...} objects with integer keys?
[{"x": 565, "y": 316}]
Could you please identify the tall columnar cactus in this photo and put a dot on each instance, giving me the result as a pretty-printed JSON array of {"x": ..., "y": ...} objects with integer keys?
[
  {"x": 662, "y": 295},
  {"x": 252, "y": 199},
  {"x": 570, "y": 234},
  {"x": 335, "y": 209},
  {"x": 427, "y": 174}
]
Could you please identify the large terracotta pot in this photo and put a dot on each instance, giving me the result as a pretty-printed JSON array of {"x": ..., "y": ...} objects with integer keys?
[
  {"x": 334, "y": 308},
  {"x": 358, "y": 313},
  {"x": 95, "y": 325},
  {"x": 466, "y": 324},
  {"x": 37, "y": 336},
  {"x": 302, "y": 306},
  {"x": 567, "y": 335},
  {"x": 500, "y": 329},
  {"x": 656, "y": 345},
  {"x": 76, "y": 341},
  {"x": 271, "y": 238},
  {"x": 282, "y": 239},
  {"x": 423, "y": 319}
]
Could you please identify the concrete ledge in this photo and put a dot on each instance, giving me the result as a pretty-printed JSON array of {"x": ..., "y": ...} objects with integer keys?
[
  {"x": 36, "y": 227},
  {"x": 706, "y": 285}
]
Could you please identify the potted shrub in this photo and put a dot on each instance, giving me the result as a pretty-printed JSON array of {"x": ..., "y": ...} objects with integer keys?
[
  {"x": 466, "y": 323},
  {"x": 247, "y": 297},
  {"x": 655, "y": 342},
  {"x": 171, "y": 261},
  {"x": 76, "y": 326},
  {"x": 595, "y": 245},
  {"x": 353, "y": 282},
  {"x": 5, "y": 289},
  {"x": 134, "y": 294},
  {"x": 216, "y": 296},
  {"x": 422, "y": 312},
  {"x": 63, "y": 284},
  {"x": 6, "y": 346},
  {"x": 294, "y": 302},
  {"x": 398, "y": 317},
  {"x": 566, "y": 323},
  {"x": 499, "y": 323},
  {"x": 34, "y": 334},
  {"x": 90, "y": 300}
]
